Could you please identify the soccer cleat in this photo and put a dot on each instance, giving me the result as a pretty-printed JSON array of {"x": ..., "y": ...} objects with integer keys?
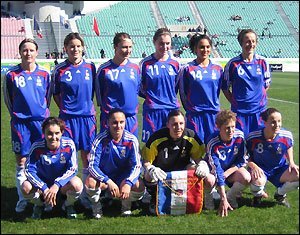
[
  {"x": 281, "y": 200},
  {"x": 232, "y": 201},
  {"x": 126, "y": 207},
  {"x": 97, "y": 210},
  {"x": 256, "y": 201},
  {"x": 37, "y": 212},
  {"x": 21, "y": 206},
  {"x": 71, "y": 213}
]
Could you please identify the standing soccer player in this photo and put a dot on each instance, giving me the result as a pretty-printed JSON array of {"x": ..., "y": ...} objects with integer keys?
[
  {"x": 27, "y": 95},
  {"x": 159, "y": 84},
  {"x": 200, "y": 83},
  {"x": 271, "y": 158},
  {"x": 74, "y": 86},
  {"x": 247, "y": 78},
  {"x": 115, "y": 165},
  {"x": 118, "y": 82},
  {"x": 52, "y": 166}
]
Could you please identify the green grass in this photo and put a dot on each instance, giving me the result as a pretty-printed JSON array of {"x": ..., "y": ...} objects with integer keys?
[{"x": 271, "y": 218}]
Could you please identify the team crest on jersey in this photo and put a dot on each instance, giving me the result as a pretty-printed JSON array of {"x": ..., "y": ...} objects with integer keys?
[
  {"x": 279, "y": 150},
  {"x": 258, "y": 70},
  {"x": 38, "y": 81},
  {"x": 87, "y": 75},
  {"x": 171, "y": 70},
  {"x": 62, "y": 159},
  {"x": 132, "y": 74},
  {"x": 123, "y": 152},
  {"x": 213, "y": 75},
  {"x": 235, "y": 150},
  {"x": 183, "y": 152}
]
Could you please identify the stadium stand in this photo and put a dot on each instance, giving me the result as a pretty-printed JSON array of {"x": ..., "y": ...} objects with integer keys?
[
  {"x": 12, "y": 33},
  {"x": 276, "y": 22}
]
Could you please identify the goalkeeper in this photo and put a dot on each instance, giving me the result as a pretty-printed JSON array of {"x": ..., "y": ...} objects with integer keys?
[{"x": 173, "y": 148}]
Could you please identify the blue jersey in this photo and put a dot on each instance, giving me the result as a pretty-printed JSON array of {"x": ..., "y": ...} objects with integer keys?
[
  {"x": 269, "y": 154},
  {"x": 222, "y": 156},
  {"x": 109, "y": 159},
  {"x": 27, "y": 95},
  {"x": 75, "y": 84},
  {"x": 159, "y": 83},
  {"x": 46, "y": 167},
  {"x": 117, "y": 86},
  {"x": 248, "y": 81},
  {"x": 200, "y": 87}
]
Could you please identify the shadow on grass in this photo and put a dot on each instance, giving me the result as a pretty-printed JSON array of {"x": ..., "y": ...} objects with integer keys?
[
  {"x": 246, "y": 200},
  {"x": 9, "y": 199}
]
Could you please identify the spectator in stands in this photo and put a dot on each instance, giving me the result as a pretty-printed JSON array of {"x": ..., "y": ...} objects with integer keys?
[
  {"x": 27, "y": 95},
  {"x": 201, "y": 76},
  {"x": 51, "y": 167},
  {"x": 159, "y": 84},
  {"x": 247, "y": 78},
  {"x": 74, "y": 85},
  {"x": 118, "y": 83},
  {"x": 144, "y": 55}
]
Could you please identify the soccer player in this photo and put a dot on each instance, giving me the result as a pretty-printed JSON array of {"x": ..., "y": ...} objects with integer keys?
[
  {"x": 115, "y": 165},
  {"x": 226, "y": 155},
  {"x": 27, "y": 95},
  {"x": 271, "y": 158},
  {"x": 200, "y": 83},
  {"x": 118, "y": 82},
  {"x": 74, "y": 85},
  {"x": 172, "y": 148},
  {"x": 247, "y": 78},
  {"x": 51, "y": 167},
  {"x": 159, "y": 84}
]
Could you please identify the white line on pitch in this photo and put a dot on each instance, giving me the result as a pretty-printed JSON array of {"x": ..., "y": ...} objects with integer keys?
[{"x": 284, "y": 101}]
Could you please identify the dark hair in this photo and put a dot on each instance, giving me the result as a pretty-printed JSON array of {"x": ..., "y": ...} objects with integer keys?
[
  {"x": 223, "y": 116},
  {"x": 72, "y": 36},
  {"x": 265, "y": 114},
  {"x": 242, "y": 34},
  {"x": 115, "y": 110},
  {"x": 161, "y": 31},
  {"x": 120, "y": 37},
  {"x": 28, "y": 40},
  {"x": 173, "y": 113},
  {"x": 53, "y": 121},
  {"x": 195, "y": 39}
]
